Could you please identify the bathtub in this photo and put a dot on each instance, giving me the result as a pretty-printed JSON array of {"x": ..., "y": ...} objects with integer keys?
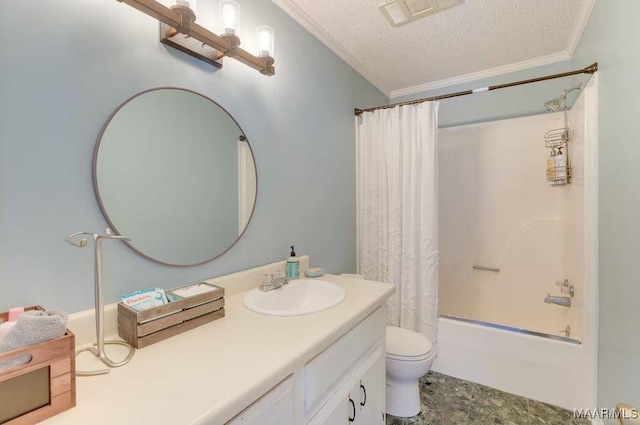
[{"x": 553, "y": 370}]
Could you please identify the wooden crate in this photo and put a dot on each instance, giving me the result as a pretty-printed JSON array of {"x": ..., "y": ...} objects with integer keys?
[
  {"x": 41, "y": 388},
  {"x": 142, "y": 328}
]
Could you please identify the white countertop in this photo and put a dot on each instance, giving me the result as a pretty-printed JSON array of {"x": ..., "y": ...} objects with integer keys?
[{"x": 211, "y": 373}]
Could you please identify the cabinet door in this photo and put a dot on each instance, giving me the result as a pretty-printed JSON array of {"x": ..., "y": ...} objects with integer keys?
[
  {"x": 364, "y": 403},
  {"x": 341, "y": 410},
  {"x": 326, "y": 374},
  {"x": 341, "y": 414},
  {"x": 371, "y": 393}
]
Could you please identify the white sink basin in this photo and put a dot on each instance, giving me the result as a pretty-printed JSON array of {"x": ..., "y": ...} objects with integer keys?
[{"x": 297, "y": 298}]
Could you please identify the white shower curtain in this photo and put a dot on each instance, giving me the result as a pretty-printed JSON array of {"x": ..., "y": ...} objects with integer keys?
[{"x": 398, "y": 210}]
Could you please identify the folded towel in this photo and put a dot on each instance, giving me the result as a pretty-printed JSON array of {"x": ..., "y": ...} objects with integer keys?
[{"x": 32, "y": 327}]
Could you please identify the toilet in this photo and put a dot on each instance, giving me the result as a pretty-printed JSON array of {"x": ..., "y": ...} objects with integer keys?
[{"x": 409, "y": 357}]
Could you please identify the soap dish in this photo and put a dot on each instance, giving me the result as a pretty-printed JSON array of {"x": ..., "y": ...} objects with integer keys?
[{"x": 314, "y": 272}]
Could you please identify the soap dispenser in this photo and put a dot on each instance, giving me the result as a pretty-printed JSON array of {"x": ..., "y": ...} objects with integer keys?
[{"x": 293, "y": 265}]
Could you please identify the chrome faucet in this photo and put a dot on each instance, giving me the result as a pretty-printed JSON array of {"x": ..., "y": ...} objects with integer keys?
[
  {"x": 271, "y": 282},
  {"x": 563, "y": 301}
]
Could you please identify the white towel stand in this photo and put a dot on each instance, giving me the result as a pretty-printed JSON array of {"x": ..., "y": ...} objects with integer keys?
[{"x": 98, "y": 350}]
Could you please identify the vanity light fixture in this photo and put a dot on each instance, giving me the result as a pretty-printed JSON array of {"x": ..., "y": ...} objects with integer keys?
[
  {"x": 178, "y": 29},
  {"x": 229, "y": 17},
  {"x": 264, "y": 41},
  {"x": 191, "y": 4}
]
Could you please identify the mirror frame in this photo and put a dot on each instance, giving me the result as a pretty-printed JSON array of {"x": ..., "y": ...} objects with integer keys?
[{"x": 96, "y": 190}]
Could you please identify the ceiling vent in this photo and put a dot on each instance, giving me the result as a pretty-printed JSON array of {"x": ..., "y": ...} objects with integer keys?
[{"x": 400, "y": 12}]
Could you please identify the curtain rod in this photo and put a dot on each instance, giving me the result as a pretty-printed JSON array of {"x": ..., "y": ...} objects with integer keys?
[{"x": 588, "y": 70}]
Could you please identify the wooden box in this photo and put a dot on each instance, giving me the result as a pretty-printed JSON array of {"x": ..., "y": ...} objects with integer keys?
[
  {"x": 42, "y": 387},
  {"x": 142, "y": 328}
]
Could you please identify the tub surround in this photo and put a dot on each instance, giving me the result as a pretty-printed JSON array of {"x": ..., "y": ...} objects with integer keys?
[
  {"x": 549, "y": 371},
  {"x": 211, "y": 373}
]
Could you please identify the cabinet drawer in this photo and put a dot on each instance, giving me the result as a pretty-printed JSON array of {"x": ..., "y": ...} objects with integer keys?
[
  {"x": 276, "y": 407},
  {"x": 328, "y": 369}
]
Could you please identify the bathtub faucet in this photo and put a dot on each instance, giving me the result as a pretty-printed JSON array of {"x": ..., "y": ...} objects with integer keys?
[{"x": 563, "y": 301}]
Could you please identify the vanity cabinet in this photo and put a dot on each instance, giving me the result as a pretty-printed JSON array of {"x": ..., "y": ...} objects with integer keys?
[
  {"x": 343, "y": 385},
  {"x": 361, "y": 404}
]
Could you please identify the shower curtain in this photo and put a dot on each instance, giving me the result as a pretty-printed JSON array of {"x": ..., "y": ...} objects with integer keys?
[{"x": 397, "y": 210}]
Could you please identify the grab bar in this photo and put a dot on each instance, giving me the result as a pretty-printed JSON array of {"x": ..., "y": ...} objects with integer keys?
[{"x": 491, "y": 269}]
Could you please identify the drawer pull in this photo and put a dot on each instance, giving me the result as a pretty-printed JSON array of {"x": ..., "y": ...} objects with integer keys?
[
  {"x": 364, "y": 391},
  {"x": 353, "y": 406}
]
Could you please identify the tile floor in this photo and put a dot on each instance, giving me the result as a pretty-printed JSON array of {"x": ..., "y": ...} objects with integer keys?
[{"x": 451, "y": 401}]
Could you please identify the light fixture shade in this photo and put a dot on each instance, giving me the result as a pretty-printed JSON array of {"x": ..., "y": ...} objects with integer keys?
[
  {"x": 229, "y": 16},
  {"x": 265, "y": 41},
  {"x": 191, "y": 4}
]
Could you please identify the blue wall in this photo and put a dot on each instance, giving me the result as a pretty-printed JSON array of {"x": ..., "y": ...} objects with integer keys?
[
  {"x": 67, "y": 64},
  {"x": 612, "y": 36}
]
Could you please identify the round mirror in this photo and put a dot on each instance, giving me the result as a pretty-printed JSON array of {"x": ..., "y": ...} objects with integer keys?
[{"x": 173, "y": 171}]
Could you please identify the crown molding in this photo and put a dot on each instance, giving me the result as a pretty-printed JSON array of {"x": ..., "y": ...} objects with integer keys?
[
  {"x": 514, "y": 67},
  {"x": 579, "y": 27},
  {"x": 298, "y": 15}
]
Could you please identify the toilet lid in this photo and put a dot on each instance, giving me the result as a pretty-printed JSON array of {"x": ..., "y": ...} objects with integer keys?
[{"x": 406, "y": 343}]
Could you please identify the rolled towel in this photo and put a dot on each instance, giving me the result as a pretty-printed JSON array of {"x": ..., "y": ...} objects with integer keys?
[{"x": 32, "y": 327}]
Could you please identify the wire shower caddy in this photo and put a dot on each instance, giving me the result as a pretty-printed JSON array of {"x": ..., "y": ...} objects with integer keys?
[{"x": 558, "y": 140}]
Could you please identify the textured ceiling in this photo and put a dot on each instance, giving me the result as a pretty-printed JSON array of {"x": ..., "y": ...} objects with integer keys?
[{"x": 476, "y": 39}]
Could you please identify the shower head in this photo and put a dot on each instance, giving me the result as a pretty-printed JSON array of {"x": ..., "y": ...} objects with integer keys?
[
  {"x": 560, "y": 103},
  {"x": 555, "y": 105}
]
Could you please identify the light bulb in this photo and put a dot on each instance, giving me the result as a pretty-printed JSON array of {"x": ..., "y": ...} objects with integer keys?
[
  {"x": 229, "y": 16},
  {"x": 265, "y": 41},
  {"x": 191, "y": 4}
]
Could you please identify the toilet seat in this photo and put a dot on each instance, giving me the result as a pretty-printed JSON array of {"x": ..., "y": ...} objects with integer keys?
[
  {"x": 408, "y": 359},
  {"x": 405, "y": 345}
]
